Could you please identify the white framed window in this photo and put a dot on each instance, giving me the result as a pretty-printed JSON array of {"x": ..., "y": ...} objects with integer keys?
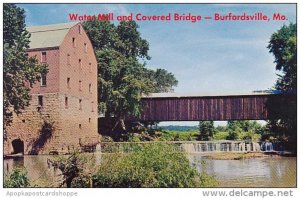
[{"x": 43, "y": 80}]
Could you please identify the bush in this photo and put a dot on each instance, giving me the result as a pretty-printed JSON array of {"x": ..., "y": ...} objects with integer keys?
[
  {"x": 154, "y": 165},
  {"x": 249, "y": 135},
  {"x": 75, "y": 169},
  {"x": 178, "y": 135},
  {"x": 221, "y": 136},
  {"x": 17, "y": 179}
]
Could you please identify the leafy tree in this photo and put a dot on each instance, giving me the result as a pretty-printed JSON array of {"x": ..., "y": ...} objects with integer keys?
[
  {"x": 163, "y": 80},
  {"x": 122, "y": 78},
  {"x": 234, "y": 130},
  {"x": 221, "y": 128},
  {"x": 283, "y": 45},
  {"x": 206, "y": 129},
  {"x": 19, "y": 71}
]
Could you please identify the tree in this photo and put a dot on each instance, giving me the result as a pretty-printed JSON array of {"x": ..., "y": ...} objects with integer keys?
[
  {"x": 283, "y": 45},
  {"x": 234, "y": 130},
  {"x": 162, "y": 80},
  {"x": 19, "y": 71},
  {"x": 122, "y": 78},
  {"x": 206, "y": 129}
]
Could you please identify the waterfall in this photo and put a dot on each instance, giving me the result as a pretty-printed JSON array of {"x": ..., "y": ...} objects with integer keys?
[
  {"x": 267, "y": 146},
  {"x": 223, "y": 146}
]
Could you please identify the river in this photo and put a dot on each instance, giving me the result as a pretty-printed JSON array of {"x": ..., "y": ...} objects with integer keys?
[{"x": 256, "y": 172}]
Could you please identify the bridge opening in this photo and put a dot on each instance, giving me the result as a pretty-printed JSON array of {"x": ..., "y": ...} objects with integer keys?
[{"x": 18, "y": 146}]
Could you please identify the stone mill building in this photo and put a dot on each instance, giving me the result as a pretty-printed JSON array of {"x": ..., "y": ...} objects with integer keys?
[{"x": 62, "y": 115}]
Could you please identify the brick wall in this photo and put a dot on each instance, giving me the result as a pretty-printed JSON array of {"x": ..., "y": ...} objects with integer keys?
[
  {"x": 75, "y": 123},
  {"x": 53, "y": 73},
  {"x": 82, "y": 86}
]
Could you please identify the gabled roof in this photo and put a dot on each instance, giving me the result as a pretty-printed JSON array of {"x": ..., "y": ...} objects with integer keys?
[
  {"x": 48, "y": 35},
  {"x": 211, "y": 94}
]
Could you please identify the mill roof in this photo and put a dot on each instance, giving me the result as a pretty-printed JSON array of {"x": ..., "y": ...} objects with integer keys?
[{"x": 45, "y": 36}]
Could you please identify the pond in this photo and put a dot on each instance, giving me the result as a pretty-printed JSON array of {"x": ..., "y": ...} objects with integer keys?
[{"x": 256, "y": 172}]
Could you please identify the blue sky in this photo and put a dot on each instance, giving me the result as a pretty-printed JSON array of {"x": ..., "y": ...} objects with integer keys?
[{"x": 206, "y": 56}]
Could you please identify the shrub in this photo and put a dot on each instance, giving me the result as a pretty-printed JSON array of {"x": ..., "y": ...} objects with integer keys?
[
  {"x": 75, "y": 169},
  {"x": 221, "y": 136},
  {"x": 178, "y": 135},
  {"x": 249, "y": 135},
  {"x": 17, "y": 179},
  {"x": 153, "y": 165}
]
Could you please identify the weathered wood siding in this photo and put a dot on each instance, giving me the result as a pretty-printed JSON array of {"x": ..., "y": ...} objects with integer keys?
[{"x": 245, "y": 107}]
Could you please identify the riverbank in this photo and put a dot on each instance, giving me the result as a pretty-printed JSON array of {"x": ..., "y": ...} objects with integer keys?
[{"x": 246, "y": 155}]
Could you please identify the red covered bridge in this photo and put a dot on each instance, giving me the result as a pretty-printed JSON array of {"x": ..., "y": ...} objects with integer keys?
[{"x": 259, "y": 105}]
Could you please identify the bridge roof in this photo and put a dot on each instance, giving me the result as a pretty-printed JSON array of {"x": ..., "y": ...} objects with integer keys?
[{"x": 211, "y": 94}]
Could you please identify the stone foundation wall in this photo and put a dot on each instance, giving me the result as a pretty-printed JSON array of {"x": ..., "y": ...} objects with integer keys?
[
  {"x": 61, "y": 131},
  {"x": 27, "y": 126}
]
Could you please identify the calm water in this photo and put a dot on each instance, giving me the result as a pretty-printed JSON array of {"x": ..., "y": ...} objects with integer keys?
[{"x": 258, "y": 172}]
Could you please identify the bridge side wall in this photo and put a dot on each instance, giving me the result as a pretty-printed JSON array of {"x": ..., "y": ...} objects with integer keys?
[{"x": 209, "y": 108}]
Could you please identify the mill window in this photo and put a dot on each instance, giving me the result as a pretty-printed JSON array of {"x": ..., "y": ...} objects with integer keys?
[
  {"x": 80, "y": 63},
  {"x": 80, "y": 104},
  {"x": 80, "y": 85},
  {"x": 74, "y": 42},
  {"x": 85, "y": 47},
  {"x": 44, "y": 57},
  {"x": 68, "y": 83},
  {"x": 68, "y": 59},
  {"x": 90, "y": 67},
  {"x": 66, "y": 102},
  {"x": 43, "y": 80},
  {"x": 40, "y": 101}
]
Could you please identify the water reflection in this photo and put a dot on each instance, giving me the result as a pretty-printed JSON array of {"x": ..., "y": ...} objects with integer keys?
[
  {"x": 258, "y": 172},
  {"x": 39, "y": 173}
]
